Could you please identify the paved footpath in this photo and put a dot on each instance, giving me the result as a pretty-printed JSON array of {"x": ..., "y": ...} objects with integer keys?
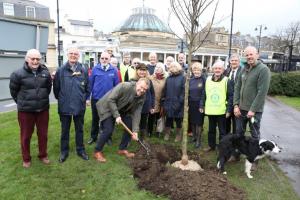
[{"x": 281, "y": 124}]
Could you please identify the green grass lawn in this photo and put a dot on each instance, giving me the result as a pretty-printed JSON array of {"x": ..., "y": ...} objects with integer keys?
[
  {"x": 79, "y": 179},
  {"x": 291, "y": 101}
]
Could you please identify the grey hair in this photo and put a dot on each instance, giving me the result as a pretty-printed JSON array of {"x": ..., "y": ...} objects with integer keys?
[
  {"x": 72, "y": 48},
  {"x": 32, "y": 51},
  {"x": 153, "y": 54},
  {"x": 161, "y": 66},
  {"x": 219, "y": 63},
  {"x": 170, "y": 57},
  {"x": 235, "y": 55}
]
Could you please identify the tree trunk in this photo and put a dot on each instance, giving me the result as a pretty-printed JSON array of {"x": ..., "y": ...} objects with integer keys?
[{"x": 184, "y": 158}]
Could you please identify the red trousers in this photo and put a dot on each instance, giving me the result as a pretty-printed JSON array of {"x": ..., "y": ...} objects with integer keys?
[{"x": 27, "y": 121}]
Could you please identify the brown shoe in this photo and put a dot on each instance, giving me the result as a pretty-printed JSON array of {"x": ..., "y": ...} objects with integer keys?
[
  {"x": 45, "y": 160},
  {"x": 26, "y": 164},
  {"x": 99, "y": 157},
  {"x": 126, "y": 153}
]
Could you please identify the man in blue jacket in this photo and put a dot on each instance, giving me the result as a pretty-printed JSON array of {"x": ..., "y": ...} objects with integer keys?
[
  {"x": 104, "y": 77},
  {"x": 71, "y": 88}
]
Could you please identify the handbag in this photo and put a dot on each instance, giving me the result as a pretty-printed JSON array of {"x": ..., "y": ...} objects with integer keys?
[{"x": 160, "y": 125}]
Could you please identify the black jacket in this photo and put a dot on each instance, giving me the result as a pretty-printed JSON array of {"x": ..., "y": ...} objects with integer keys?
[
  {"x": 31, "y": 91},
  {"x": 173, "y": 96},
  {"x": 71, "y": 89}
]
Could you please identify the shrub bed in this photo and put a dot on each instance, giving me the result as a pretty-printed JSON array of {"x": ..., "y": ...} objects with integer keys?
[{"x": 287, "y": 84}]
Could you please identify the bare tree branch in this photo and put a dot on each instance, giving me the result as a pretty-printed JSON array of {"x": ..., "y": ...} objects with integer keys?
[{"x": 188, "y": 12}]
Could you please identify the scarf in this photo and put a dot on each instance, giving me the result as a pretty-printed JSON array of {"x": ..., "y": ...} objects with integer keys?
[{"x": 159, "y": 76}]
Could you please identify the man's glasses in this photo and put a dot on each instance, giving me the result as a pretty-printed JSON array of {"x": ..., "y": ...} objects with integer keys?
[
  {"x": 136, "y": 63},
  {"x": 37, "y": 59},
  {"x": 104, "y": 58},
  {"x": 75, "y": 54}
]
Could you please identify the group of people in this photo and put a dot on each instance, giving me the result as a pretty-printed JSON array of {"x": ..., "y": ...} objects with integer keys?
[{"x": 137, "y": 95}]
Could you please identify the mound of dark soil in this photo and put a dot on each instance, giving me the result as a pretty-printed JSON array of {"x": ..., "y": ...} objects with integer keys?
[{"x": 156, "y": 175}]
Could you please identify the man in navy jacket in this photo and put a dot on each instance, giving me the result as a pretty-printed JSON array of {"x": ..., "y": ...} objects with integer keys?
[{"x": 71, "y": 88}]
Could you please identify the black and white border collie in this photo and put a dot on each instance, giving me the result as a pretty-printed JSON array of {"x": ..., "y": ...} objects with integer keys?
[{"x": 253, "y": 149}]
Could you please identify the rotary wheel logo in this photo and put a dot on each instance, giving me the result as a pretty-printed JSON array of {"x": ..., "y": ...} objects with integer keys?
[{"x": 215, "y": 98}]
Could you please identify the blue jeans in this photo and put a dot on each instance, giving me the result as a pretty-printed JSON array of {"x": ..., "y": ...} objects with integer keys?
[
  {"x": 65, "y": 133},
  {"x": 241, "y": 124}
]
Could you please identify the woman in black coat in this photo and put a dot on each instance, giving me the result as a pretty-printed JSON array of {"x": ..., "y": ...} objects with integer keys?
[
  {"x": 173, "y": 100},
  {"x": 148, "y": 106},
  {"x": 196, "y": 98}
]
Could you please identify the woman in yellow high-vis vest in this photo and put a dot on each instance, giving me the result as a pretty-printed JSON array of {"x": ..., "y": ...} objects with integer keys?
[{"x": 218, "y": 102}]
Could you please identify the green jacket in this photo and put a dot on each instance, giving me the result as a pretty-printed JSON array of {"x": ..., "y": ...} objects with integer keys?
[
  {"x": 122, "y": 99},
  {"x": 251, "y": 87}
]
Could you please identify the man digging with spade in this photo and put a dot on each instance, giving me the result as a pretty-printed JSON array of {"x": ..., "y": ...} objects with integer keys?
[{"x": 122, "y": 104}]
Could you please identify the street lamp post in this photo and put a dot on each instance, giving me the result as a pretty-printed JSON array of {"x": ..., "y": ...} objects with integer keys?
[
  {"x": 231, "y": 25},
  {"x": 259, "y": 37},
  {"x": 58, "y": 34}
]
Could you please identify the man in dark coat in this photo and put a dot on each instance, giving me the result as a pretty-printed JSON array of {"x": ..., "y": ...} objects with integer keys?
[
  {"x": 122, "y": 104},
  {"x": 30, "y": 87},
  {"x": 71, "y": 88},
  {"x": 232, "y": 72}
]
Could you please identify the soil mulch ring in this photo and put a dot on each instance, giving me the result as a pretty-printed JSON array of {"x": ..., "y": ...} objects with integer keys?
[{"x": 156, "y": 175}]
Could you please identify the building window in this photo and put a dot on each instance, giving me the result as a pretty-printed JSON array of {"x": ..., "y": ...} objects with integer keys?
[
  {"x": 30, "y": 12},
  {"x": 8, "y": 9}
]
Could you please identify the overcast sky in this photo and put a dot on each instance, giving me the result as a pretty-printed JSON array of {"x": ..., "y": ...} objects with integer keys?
[{"x": 248, "y": 14}]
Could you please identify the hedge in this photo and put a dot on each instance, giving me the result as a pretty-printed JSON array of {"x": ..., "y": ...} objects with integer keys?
[{"x": 287, "y": 84}]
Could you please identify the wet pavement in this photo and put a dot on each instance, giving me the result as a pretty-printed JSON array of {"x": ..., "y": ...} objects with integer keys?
[{"x": 281, "y": 124}]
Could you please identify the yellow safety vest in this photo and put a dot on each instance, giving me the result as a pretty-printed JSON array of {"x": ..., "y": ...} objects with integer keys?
[
  {"x": 131, "y": 73},
  {"x": 215, "y": 103},
  {"x": 123, "y": 69}
]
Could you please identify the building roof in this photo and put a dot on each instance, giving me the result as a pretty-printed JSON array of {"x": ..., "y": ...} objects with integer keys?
[
  {"x": 25, "y": 3},
  {"x": 143, "y": 19},
  {"x": 80, "y": 23}
]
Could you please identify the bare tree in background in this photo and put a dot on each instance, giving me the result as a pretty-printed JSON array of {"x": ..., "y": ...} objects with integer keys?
[
  {"x": 288, "y": 36},
  {"x": 189, "y": 13},
  {"x": 288, "y": 40}
]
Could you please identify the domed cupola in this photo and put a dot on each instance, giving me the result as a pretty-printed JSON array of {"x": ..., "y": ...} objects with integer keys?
[{"x": 144, "y": 19}]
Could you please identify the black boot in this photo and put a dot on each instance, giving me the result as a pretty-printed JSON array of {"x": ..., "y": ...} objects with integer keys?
[
  {"x": 178, "y": 135},
  {"x": 199, "y": 130},
  {"x": 193, "y": 138},
  {"x": 142, "y": 135},
  {"x": 167, "y": 134},
  {"x": 157, "y": 134}
]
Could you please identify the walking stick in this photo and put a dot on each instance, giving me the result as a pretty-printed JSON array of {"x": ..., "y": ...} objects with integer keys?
[{"x": 141, "y": 143}]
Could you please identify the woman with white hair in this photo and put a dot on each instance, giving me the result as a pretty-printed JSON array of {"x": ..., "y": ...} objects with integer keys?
[
  {"x": 158, "y": 80},
  {"x": 173, "y": 100}
]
